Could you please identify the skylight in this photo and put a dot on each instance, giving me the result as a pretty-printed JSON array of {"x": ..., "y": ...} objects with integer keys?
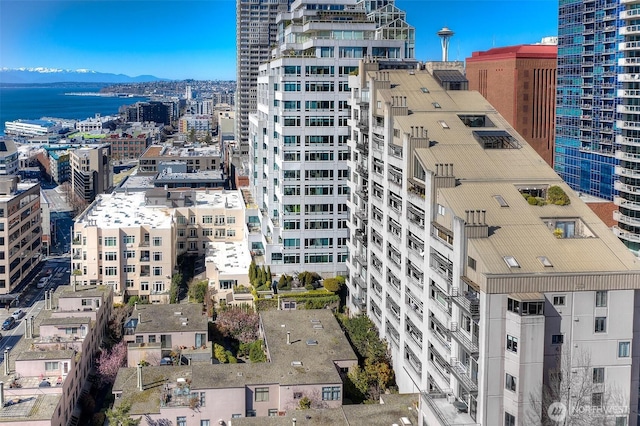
[
  {"x": 511, "y": 262},
  {"x": 546, "y": 262}
]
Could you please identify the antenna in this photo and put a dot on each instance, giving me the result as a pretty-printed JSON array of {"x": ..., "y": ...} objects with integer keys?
[{"x": 445, "y": 34}]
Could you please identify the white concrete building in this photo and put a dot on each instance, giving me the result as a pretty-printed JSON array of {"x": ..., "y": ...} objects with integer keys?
[
  {"x": 132, "y": 240},
  {"x": 298, "y": 138},
  {"x": 489, "y": 293}
]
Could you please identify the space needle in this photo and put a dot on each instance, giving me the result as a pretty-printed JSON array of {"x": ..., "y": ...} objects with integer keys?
[{"x": 445, "y": 34}]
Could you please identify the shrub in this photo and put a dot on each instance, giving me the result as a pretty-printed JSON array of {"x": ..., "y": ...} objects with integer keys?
[
  {"x": 333, "y": 284},
  {"x": 220, "y": 353},
  {"x": 557, "y": 196},
  {"x": 256, "y": 353},
  {"x": 305, "y": 403},
  {"x": 230, "y": 358}
]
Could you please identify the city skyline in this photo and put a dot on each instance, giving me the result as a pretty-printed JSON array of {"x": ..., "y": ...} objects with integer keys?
[{"x": 177, "y": 40}]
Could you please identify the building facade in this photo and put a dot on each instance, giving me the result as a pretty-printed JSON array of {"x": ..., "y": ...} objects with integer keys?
[
  {"x": 91, "y": 172},
  {"x": 256, "y": 32},
  {"x": 586, "y": 98},
  {"x": 132, "y": 241},
  {"x": 492, "y": 281},
  {"x": 627, "y": 181},
  {"x": 298, "y": 137},
  {"x": 520, "y": 81},
  {"x": 20, "y": 231}
]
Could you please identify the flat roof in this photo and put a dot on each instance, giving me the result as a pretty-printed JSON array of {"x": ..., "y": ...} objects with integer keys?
[
  {"x": 230, "y": 257},
  {"x": 129, "y": 209}
]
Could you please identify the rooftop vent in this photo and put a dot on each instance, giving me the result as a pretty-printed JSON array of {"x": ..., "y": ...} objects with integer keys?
[
  {"x": 296, "y": 363},
  {"x": 177, "y": 313},
  {"x": 312, "y": 342}
]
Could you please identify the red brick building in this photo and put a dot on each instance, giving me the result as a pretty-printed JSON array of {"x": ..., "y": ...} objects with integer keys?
[{"x": 520, "y": 82}]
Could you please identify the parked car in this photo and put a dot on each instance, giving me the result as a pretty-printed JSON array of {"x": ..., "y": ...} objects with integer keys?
[
  {"x": 166, "y": 361},
  {"x": 17, "y": 314},
  {"x": 8, "y": 323}
]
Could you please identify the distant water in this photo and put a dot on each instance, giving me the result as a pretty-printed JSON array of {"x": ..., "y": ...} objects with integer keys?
[{"x": 30, "y": 103}]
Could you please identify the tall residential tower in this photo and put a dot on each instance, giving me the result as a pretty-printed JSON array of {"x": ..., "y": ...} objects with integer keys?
[
  {"x": 298, "y": 137},
  {"x": 255, "y": 37}
]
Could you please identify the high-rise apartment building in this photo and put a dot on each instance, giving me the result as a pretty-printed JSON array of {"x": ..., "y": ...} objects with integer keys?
[
  {"x": 256, "y": 32},
  {"x": 91, "y": 172},
  {"x": 500, "y": 292},
  {"x": 20, "y": 231},
  {"x": 588, "y": 37},
  {"x": 520, "y": 82},
  {"x": 627, "y": 184},
  {"x": 298, "y": 137}
]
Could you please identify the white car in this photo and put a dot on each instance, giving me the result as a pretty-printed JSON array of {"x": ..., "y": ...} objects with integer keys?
[
  {"x": 43, "y": 282},
  {"x": 17, "y": 314}
]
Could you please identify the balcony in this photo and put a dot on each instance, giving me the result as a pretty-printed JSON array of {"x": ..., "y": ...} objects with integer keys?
[
  {"x": 362, "y": 215},
  {"x": 461, "y": 372},
  {"x": 362, "y": 171},
  {"x": 363, "y": 194},
  {"x": 445, "y": 410},
  {"x": 360, "y": 282},
  {"x": 622, "y": 202},
  {"x": 461, "y": 338},
  {"x": 359, "y": 302},
  {"x": 467, "y": 301},
  {"x": 619, "y": 217},
  {"x": 626, "y": 235}
]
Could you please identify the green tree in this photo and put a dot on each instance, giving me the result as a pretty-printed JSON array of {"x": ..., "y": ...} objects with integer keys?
[
  {"x": 253, "y": 271},
  {"x": 119, "y": 416},
  {"x": 256, "y": 352},
  {"x": 208, "y": 139},
  {"x": 556, "y": 195},
  {"x": 198, "y": 290},
  {"x": 176, "y": 282},
  {"x": 192, "y": 135}
]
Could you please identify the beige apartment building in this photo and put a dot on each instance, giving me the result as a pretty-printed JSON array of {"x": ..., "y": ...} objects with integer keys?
[
  {"x": 499, "y": 291},
  {"x": 197, "y": 158},
  {"x": 20, "y": 231},
  {"x": 132, "y": 241}
]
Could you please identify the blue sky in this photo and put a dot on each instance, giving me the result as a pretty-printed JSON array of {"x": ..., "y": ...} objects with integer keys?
[{"x": 196, "y": 39}]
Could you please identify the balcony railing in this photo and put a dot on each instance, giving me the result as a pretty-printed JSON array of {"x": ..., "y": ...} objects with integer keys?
[
  {"x": 462, "y": 374},
  {"x": 468, "y": 301},
  {"x": 460, "y": 337}
]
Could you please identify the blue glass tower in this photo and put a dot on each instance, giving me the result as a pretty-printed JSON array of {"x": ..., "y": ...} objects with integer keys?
[{"x": 587, "y": 99}]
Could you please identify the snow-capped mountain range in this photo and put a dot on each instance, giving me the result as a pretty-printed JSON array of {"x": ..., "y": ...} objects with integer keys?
[{"x": 43, "y": 75}]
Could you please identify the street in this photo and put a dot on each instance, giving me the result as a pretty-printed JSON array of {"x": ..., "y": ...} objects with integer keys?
[{"x": 31, "y": 299}]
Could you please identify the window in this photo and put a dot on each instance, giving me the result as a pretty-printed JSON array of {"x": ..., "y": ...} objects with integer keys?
[
  {"x": 509, "y": 419},
  {"x": 471, "y": 262},
  {"x": 157, "y": 270},
  {"x": 624, "y": 349},
  {"x": 596, "y": 399},
  {"x": 598, "y": 375},
  {"x": 139, "y": 339},
  {"x": 331, "y": 393},
  {"x": 621, "y": 421},
  {"x": 558, "y": 300},
  {"x": 297, "y": 395},
  {"x": 157, "y": 241},
  {"x": 129, "y": 239},
  {"x": 152, "y": 338},
  {"x": 273, "y": 412},
  {"x": 512, "y": 344},
  {"x": 207, "y": 219},
  {"x": 181, "y": 421},
  {"x": 601, "y": 299},
  {"x": 250, "y": 413},
  {"x": 262, "y": 394},
  {"x": 205, "y": 423},
  {"x": 110, "y": 241},
  {"x": 51, "y": 366},
  {"x": 557, "y": 339},
  {"x": 157, "y": 256},
  {"x": 510, "y": 383},
  {"x": 111, "y": 270},
  {"x": 600, "y": 325},
  {"x": 110, "y": 255}
]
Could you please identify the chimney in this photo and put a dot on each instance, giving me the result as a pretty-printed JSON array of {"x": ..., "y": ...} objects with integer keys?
[
  {"x": 288, "y": 337},
  {"x": 1, "y": 395},
  {"x": 140, "y": 377},
  {"x": 27, "y": 329},
  {"x": 6, "y": 362},
  {"x": 139, "y": 317},
  {"x": 293, "y": 421}
]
